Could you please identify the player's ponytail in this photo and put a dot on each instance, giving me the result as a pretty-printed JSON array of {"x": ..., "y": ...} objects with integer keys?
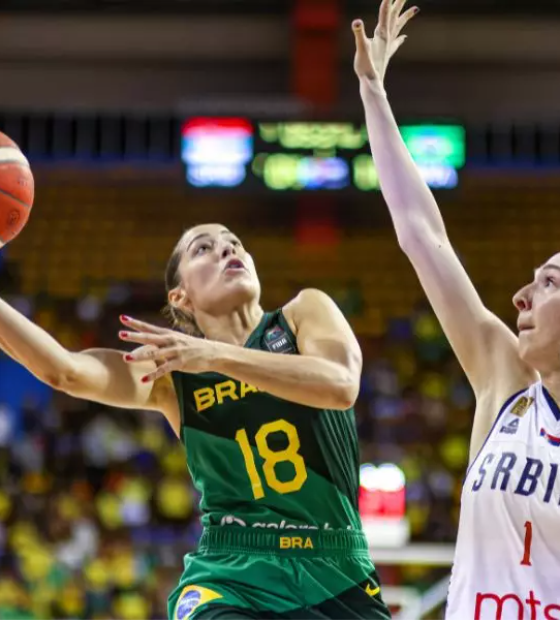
[{"x": 184, "y": 321}]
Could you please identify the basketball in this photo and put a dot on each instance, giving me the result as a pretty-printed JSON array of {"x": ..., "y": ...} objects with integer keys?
[{"x": 17, "y": 189}]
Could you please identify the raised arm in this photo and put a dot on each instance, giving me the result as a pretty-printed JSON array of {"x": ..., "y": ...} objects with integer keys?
[
  {"x": 485, "y": 347},
  {"x": 99, "y": 375}
]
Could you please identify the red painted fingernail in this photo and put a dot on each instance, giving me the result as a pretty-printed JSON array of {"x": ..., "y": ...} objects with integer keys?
[
  {"x": 416, "y": 10},
  {"x": 128, "y": 358},
  {"x": 145, "y": 379},
  {"x": 125, "y": 318},
  {"x": 123, "y": 334}
]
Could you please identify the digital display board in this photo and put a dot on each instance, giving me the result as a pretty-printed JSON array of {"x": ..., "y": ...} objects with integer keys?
[{"x": 306, "y": 156}]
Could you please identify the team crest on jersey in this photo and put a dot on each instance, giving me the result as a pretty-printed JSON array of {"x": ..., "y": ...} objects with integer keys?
[
  {"x": 511, "y": 427},
  {"x": 277, "y": 341},
  {"x": 191, "y": 598},
  {"x": 522, "y": 406},
  {"x": 552, "y": 440}
]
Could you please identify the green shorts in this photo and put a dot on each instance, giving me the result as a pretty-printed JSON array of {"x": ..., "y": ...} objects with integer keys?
[{"x": 249, "y": 573}]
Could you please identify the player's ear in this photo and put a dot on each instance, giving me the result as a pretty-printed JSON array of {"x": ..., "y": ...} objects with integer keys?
[{"x": 178, "y": 298}]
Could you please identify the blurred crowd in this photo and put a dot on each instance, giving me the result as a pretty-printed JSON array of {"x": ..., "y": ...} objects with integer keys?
[{"x": 96, "y": 505}]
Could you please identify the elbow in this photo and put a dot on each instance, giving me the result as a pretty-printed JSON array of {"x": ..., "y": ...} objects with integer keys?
[
  {"x": 61, "y": 380},
  {"x": 349, "y": 398},
  {"x": 416, "y": 236},
  {"x": 411, "y": 235},
  {"x": 347, "y": 394}
]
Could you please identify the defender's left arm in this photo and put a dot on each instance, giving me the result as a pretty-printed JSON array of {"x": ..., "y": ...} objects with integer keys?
[{"x": 325, "y": 375}]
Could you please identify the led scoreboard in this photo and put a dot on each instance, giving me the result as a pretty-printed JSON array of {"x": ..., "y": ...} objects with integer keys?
[{"x": 284, "y": 156}]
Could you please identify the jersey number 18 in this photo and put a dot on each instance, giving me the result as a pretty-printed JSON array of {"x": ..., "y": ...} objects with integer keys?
[{"x": 272, "y": 458}]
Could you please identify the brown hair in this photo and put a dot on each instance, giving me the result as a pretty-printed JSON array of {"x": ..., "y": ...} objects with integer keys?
[{"x": 180, "y": 319}]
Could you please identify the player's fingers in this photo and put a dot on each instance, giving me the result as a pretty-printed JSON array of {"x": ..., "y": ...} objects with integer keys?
[
  {"x": 159, "y": 340},
  {"x": 396, "y": 10},
  {"x": 398, "y": 42},
  {"x": 140, "y": 354},
  {"x": 142, "y": 326},
  {"x": 406, "y": 17},
  {"x": 363, "y": 64},
  {"x": 382, "y": 29},
  {"x": 164, "y": 369},
  {"x": 362, "y": 43},
  {"x": 149, "y": 352}
]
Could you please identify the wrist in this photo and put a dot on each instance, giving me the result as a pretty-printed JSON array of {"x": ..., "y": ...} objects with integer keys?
[
  {"x": 218, "y": 355},
  {"x": 372, "y": 89}
]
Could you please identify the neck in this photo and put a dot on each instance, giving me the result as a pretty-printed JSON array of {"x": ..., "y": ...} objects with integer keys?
[
  {"x": 234, "y": 327},
  {"x": 551, "y": 382}
]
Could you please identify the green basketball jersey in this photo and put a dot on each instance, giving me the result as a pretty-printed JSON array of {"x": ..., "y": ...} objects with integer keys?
[{"x": 261, "y": 461}]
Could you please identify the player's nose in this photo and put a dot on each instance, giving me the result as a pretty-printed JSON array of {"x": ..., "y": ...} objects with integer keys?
[
  {"x": 228, "y": 249},
  {"x": 522, "y": 300}
]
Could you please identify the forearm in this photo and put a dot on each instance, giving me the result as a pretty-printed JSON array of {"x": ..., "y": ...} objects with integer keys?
[
  {"x": 6, "y": 349},
  {"x": 306, "y": 380},
  {"x": 32, "y": 347},
  {"x": 410, "y": 201}
]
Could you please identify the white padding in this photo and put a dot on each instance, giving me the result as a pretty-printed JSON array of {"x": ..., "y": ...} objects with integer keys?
[{"x": 9, "y": 154}]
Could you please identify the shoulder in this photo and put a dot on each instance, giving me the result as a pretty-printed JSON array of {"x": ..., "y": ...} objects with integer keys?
[
  {"x": 313, "y": 314},
  {"x": 308, "y": 300}
]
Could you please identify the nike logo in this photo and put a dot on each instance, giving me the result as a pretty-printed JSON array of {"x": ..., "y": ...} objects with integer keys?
[{"x": 372, "y": 591}]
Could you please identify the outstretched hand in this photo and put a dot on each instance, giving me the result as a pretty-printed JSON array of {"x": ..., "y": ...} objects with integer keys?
[
  {"x": 169, "y": 349},
  {"x": 373, "y": 55}
]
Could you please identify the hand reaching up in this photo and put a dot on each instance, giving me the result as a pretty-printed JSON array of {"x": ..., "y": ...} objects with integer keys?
[{"x": 373, "y": 55}]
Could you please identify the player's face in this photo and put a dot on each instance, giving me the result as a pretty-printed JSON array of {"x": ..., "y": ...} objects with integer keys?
[
  {"x": 539, "y": 318},
  {"x": 217, "y": 274}
]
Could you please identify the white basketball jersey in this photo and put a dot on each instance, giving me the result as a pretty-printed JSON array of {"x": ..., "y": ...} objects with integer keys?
[{"x": 507, "y": 558}]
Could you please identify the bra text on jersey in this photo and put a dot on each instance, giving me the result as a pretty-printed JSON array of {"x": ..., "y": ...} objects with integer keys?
[
  {"x": 207, "y": 397},
  {"x": 295, "y": 542}
]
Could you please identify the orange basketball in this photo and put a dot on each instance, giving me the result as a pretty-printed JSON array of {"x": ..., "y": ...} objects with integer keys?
[{"x": 17, "y": 190}]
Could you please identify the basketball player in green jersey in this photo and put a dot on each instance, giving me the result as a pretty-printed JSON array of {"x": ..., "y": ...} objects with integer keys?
[{"x": 263, "y": 405}]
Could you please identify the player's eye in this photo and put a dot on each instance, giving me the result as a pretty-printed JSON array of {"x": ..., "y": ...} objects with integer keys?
[{"x": 202, "y": 248}]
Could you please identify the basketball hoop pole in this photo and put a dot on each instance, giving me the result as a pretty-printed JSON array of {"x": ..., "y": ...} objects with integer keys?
[
  {"x": 429, "y": 554},
  {"x": 415, "y": 606},
  {"x": 430, "y": 600}
]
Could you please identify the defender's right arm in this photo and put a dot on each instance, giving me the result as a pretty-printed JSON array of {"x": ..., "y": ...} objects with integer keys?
[
  {"x": 99, "y": 375},
  {"x": 485, "y": 347}
]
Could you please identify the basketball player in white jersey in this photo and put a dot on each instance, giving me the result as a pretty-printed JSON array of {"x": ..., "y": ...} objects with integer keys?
[{"x": 507, "y": 561}]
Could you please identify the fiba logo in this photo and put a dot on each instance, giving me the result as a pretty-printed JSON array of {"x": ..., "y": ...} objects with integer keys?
[{"x": 187, "y": 604}]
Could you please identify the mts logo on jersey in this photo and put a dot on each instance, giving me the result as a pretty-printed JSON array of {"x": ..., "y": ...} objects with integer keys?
[
  {"x": 207, "y": 397},
  {"x": 491, "y": 606}
]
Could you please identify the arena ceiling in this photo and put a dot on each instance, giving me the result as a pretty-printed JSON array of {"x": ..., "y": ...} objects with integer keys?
[{"x": 496, "y": 7}]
